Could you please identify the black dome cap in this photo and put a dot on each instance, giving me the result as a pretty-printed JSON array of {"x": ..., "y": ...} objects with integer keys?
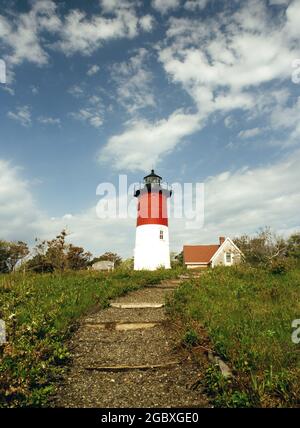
[{"x": 152, "y": 175}]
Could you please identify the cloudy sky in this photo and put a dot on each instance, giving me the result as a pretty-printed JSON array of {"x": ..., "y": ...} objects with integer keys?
[{"x": 202, "y": 90}]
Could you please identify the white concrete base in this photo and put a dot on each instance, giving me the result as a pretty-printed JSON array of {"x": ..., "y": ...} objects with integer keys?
[{"x": 151, "y": 252}]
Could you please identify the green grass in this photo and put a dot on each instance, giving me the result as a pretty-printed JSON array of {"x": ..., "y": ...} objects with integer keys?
[
  {"x": 41, "y": 311},
  {"x": 247, "y": 313}
]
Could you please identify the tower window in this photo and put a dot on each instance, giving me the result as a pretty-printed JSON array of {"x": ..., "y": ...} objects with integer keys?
[{"x": 161, "y": 234}]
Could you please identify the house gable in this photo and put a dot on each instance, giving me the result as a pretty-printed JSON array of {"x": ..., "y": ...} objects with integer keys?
[{"x": 228, "y": 247}]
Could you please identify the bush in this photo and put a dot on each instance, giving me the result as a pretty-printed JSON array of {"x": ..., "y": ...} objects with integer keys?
[
  {"x": 280, "y": 267},
  {"x": 190, "y": 338}
]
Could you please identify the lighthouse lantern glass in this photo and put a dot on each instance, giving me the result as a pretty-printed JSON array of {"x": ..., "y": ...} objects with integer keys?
[{"x": 152, "y": 178}]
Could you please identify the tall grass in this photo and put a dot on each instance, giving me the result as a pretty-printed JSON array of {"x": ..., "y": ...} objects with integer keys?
[
  {"x": 40, "y": 312},
  {"x": 247, "y": 313}
]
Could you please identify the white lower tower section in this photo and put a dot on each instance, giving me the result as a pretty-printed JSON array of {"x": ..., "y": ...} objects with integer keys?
[{"x": 152, "y": 248}]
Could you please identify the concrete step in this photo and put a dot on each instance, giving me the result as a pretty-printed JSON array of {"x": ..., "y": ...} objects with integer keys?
[
  {"x": 121, "y": 326},
  {"x": 122, "y": 368},
  {"x": 142, "y": 305},
  {"x": 163, "y": 287}
]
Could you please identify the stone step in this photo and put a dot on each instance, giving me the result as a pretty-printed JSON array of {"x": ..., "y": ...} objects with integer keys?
[
  {"x": 122, "y": 326},
  {"x": 168, "y": 364},
  {"x": 141, "y": 305},
  {"x": 171, "y": 281},
  {"x": 162, "y": 287}
]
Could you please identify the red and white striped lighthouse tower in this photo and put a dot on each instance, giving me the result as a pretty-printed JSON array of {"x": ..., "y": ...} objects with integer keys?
[{"x": 152, "y": 233}]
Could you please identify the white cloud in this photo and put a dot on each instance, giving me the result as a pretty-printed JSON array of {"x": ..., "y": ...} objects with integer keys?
[
  {"x": 284, "y": 116},
  {"x": 18, "y": 211},
  {"x": 49, "y": 120},
  {"x": 164, "y": 6},
  {"x": 193, "y": 5},
  {"x": 111, "y": 6},
  {"x": 133, "y": 81},
  {"x": 34, "y": 90},
  {"x": 83, "y": 34},
  {"x": 21, "y": 115},
  {"x": 93, "y": 70},
  {"x": 92, "y": 111},
  {"x": 22, "y": 34},
  {"x": 229, "y": 121},
  {"x": 76, "y": 91},
  {"x": 89, "y": 115},
  {"x": 231, "y": 54},
  {"x": 293, "y": 19},
  {"x": 248, "y": 199},
  {"x": 143, "y": 144},
  {"x": 147, "y": 22},
  {"x": 250, "y": 133},
  {"x": 243, "y": 201},
  {"x": 21, "y": 219}
]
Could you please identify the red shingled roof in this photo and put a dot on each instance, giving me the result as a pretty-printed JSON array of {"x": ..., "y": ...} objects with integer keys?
[{"x": 199, "y": 253}]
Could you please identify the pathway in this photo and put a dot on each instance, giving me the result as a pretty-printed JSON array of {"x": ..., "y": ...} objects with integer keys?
[{"x": 127, "y": 356}]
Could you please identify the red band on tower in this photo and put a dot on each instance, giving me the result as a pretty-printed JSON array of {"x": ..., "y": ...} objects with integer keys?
[{"x": 152, "y": 208}]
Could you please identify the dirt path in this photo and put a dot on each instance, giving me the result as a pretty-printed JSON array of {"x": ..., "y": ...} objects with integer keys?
[{"x": 126, "y": 357}]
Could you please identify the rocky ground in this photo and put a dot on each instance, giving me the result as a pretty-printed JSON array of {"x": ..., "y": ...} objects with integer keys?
[{"x": 130, "y": 358}]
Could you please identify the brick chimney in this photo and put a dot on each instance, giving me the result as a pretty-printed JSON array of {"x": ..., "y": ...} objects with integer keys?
[{"x": 221, "y": 240}]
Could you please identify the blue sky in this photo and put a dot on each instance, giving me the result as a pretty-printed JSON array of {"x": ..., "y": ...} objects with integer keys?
[{"x": 201, "y": 90}]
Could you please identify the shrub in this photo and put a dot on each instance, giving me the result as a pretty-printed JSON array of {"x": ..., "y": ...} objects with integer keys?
[{"x": 190, "y": 338}]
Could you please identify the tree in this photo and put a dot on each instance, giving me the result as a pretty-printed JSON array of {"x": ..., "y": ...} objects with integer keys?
[
  {"x": 39, "y": 264},
  {"x": 11, "y": 253},
  {"x": 77, "y": 258},
  {"x": 179, "y": 258},
  {"x": 58, "y": 255},
  {"x": 293, "y": 246},
  {"x": 57, "y": 251},
  {"x": 263, "y": 248}
]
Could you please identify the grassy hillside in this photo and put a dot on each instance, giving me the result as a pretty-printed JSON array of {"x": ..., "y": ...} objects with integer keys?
[
  {"x": 40, "y": 312},
  {"x": 247, "y": 313}
]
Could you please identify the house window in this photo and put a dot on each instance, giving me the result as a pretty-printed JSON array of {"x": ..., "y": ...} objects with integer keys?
[
  {"x": 228, "y": 258},
  {"x": 161, "y": 234}
]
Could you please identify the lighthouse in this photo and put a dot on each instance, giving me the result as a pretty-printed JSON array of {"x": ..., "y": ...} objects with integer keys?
[{"x": 152, "y": 232}]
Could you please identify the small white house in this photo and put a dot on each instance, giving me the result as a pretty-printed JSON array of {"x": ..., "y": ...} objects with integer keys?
[
  {"x": 226, "y": 253},
  {"x": 105, "y": 265}
]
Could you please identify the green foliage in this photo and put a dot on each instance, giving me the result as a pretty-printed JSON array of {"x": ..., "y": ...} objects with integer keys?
[
  {"x": 293, "y": 249},
  {"x": 77, "y": 258},
  {"x": 281, "y": 266},
  {"x": 10, "y": 254},
  {"x": 40, "y": 312},
  {"x": 247, "y": 313},
  {"x": 190, "y": 338},
  {"x": 58, "y": 255},
  {"x": 127, "y": 264},
  {"x": 267, "y": 249},
  {"x": 223, "y": 390}
]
